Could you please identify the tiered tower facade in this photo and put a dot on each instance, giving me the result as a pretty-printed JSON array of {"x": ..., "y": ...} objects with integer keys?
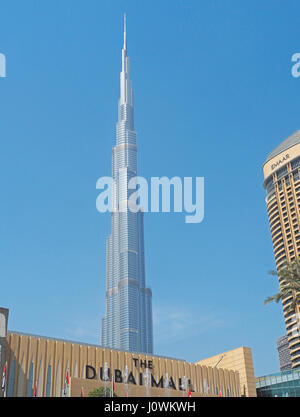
[
  {"x": 127, "y": 324},
  {"x": 282, "y": 184}
]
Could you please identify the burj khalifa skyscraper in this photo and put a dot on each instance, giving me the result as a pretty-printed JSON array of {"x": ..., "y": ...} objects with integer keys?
[{"x": 127, "y": 324}]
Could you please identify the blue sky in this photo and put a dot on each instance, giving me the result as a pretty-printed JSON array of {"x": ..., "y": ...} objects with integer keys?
[{"x": 213, "y": 95}]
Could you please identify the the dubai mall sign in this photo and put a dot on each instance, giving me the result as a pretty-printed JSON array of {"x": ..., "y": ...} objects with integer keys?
[{"x": 140, "y": 378}]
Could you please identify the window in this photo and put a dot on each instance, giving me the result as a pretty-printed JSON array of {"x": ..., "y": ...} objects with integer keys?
[
  {"x": 48, "y": 383},
  {"x": 274, "y": 216},
  {"x": 279, "y": 248},
  {"x": 11, "y": 379},
  {"x": 295, "y": 163},
  {"x": 281, "y": 172},
  {"x": 30, "y": 381},
  {"x": 277, "y": 243},
  {"x": 270, "y": 186}
]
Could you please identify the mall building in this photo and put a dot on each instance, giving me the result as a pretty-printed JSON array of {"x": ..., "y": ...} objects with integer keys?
[
  {"x": 280, "y": 384},
  {"x": 39, "y": 364}
]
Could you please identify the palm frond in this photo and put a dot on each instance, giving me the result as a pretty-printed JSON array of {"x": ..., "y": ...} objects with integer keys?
[
  {"x": 277, "y": 297},
  {"x": 289, "y": 284}
]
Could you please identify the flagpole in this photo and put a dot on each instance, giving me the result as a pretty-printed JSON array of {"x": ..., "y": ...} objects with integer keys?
[
  {"x": 112, "y": 386},
  {"x": 5, "y": 387}
]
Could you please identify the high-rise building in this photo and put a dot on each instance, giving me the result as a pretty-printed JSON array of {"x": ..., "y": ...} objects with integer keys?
[
  {"x": 282, "y": 184},
  {"x": 127, "y": 324},
  {"x": 284, "y": 355}
]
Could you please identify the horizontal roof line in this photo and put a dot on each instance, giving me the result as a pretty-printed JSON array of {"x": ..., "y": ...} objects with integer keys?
[
  {"x": 92, "y": 345},
  {"x": 284, "y": 145}
]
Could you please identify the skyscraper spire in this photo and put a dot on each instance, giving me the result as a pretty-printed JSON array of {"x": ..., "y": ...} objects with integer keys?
[
  {"x": 126, "y": 95},
  {"x": 127, "y": 324},
  {"x": 125, "y": 41}
]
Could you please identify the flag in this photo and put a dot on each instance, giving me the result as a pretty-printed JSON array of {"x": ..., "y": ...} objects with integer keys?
[
  {"x": 66, "y": 384},
  {"x": 81, "y": 392},
  {"x": 34, "y": 390},
  {"x": 4, "y": 377},
  {"x": 67, "y": 377},
  {"x": 190, "y": 392},
  {"x": 220, "y": 394}
]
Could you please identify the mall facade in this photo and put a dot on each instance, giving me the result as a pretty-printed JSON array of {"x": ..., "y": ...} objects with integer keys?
[{"x": 40, "y": 364}]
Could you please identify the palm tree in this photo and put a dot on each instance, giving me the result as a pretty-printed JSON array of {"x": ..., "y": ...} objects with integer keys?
[
  {"x": 103, "y": 391},
  {"x": 289, "y": 284}
]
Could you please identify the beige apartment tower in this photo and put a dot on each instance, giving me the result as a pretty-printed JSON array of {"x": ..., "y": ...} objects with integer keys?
[{"x": 282, "y": 184}]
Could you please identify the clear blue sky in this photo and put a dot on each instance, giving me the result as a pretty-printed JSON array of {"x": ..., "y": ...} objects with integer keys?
[{"x": 213, "y": 95}]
